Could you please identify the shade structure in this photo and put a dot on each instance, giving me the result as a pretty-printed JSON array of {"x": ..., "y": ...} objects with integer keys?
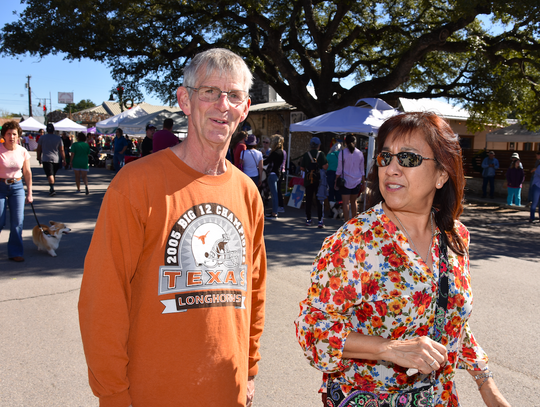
[
  {"x": 31, "y": 124},
  {"x": 68, "y": 125},
  {"x": 515, "y": 133},
  {"x": 110, "y": 125},
  {"x": 137, "y": 126},
  {"x": 366, "y": 117}
]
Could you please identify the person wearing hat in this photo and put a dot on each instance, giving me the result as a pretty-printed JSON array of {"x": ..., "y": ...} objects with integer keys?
[
  {"x": 146, "y": 145},
  {"x": 312, "y": 162},
  {"x": 49, "y": 150},
  {"x": 514, "y": 182},
  {"x": 490, "y": 165},
  {"x": 515, "y": 156},
  {"x": 251, "y": 160}
]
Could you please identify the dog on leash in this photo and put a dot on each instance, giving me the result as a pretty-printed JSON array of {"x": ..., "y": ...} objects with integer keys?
[{"x": 49, "y": 239}]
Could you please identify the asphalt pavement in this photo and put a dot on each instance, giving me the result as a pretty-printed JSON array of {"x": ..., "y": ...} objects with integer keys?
[{"x": 41, "y": 357}]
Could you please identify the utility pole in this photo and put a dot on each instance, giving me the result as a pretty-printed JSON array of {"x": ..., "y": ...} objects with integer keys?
[{"x": 29, "y": 96}]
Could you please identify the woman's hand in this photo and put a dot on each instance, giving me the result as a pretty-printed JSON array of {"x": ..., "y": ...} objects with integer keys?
[
  {"x": 29, "y": 197},
  {"x": 422, "y": 354},
  {"x": 489, "y": 391}
]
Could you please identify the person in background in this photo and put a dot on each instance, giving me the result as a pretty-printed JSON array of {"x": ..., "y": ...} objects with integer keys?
[
  {"x": 79, "y": 161},
  {"x": 120, "y": 147},
  {"x": 386, "y": 315},
  {"x": 274, "y": 161},
  {"x": 50, "y": 153},
  {"x": 172, "y": 299},
  {"x": 490, "y": 166},
  {"x": 164, "y": 138},
  {"x": 14, "y": 165},
  {"x": 312, "y": 162},
  {"x": 514, "y": 181},
  {"x": 239, "y": 147},
  {"x": 333, "y": 191},
  {"x": 535, "y": 188},
  {"x": 41, "y": 132},
  {"x": 251, "y": 160},
  {"x": 282, "y": 174},
  {"x": 66, "y": 141},
  {"x": 351, "y": 168},
  {"x": 265, "y": 149},
  {"x": 147, "y": 143}
]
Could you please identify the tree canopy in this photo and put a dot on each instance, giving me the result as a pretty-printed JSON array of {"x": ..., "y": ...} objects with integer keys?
[
  {"x": 77, "y": 107},
  {"x": 391, "y": 48}
]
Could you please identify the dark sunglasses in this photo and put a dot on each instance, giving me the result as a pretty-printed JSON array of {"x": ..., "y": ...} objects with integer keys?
[{"x": 405, "y": 159}]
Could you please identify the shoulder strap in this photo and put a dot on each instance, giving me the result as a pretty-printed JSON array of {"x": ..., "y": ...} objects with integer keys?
[
  {"x": 442, "y": 297},
  {"x": 310, "y": 156}
]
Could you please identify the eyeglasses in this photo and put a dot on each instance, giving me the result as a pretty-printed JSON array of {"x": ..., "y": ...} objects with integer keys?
[
  {"x": 266, "y": 142},
  {"x": 212, "y": 94},
  {"x": 405, "y": 159}
]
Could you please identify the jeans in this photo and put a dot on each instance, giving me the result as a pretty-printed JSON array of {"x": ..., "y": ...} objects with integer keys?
[
  {"x": 514, "y": 196},
  {"x": 535, "y": 200},
  {"x": 272, "y": 184},
  {"x": 279, "y": 193},
  {"x": 255, "y": 179},
  {"x": 118, "y": 161},
  {"x": 333, "y": 195},
  {"x": 491, "y": 181},
  {"x": 12, "y": 196}
]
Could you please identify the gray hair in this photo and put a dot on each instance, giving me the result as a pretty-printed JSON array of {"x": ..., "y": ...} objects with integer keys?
[{"x": 219, "y": 61}]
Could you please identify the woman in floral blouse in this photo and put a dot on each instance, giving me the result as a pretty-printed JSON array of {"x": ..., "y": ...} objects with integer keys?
[{"x": 368, "y": 320}]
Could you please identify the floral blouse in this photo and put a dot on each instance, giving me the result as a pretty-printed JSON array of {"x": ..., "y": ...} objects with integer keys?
[{"x": 368, "y": 279}]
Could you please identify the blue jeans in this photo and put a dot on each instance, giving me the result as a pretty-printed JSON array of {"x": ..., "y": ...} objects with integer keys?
[
  {"x": 333, "y": 195},
  {"x": 491, "y": 181},
  {"x": 118, "y": 161},
  {"x": 272, "y": 183},
  {"x": 12, "y": 196},
  {"x": 514, "y": 196},
  {"x": 535, "y": 200}
]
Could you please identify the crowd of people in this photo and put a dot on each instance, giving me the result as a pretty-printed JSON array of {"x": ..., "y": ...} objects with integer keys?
[{"x": 386, "y": 315}]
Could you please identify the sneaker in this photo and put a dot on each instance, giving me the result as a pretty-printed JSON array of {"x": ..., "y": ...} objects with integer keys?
[
  {"x": 308, "y": 222},
  {"x": 52, "y": 193},
  {"x": 17, "y": 259},
  {"x": 280, "y": 209},
  {"x": 321, "y": 224},
  {"x": 271, "y": 216}
]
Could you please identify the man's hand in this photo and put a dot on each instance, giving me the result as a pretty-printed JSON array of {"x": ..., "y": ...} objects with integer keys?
[{"x": 250, "y": 391}]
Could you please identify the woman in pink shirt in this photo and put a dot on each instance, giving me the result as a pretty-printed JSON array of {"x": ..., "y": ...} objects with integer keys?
[{"x": 14, "y": 164}]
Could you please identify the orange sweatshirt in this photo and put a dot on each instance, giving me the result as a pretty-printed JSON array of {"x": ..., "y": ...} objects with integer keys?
[{"x": 172, "y": 299}]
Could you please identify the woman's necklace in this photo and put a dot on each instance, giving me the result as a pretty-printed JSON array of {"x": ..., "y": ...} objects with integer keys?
[{"x": 410, "y": 239}]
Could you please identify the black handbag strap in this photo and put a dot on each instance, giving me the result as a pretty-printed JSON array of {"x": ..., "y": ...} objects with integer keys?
[{"x": 442, "y": 297}]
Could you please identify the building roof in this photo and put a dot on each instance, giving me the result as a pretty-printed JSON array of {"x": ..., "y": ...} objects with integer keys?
[
  {"x": 436, "y": 106},
  {"x": 271, "y": 106},
  {"x": 113, "y": 108}
]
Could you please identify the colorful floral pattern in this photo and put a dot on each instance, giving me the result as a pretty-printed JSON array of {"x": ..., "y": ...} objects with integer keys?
[{"x": 368, "y": 279}]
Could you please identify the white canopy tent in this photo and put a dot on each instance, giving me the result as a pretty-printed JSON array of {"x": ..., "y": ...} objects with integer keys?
[
  {"x": 68, "y": 125},
  {"x": 31, "y": 124},
  {"x": 137, "y": 125},
  {"x": 364, "y": 118},
  {"x": 110, "y": 125},
  {"x": 514, "y": 133}
]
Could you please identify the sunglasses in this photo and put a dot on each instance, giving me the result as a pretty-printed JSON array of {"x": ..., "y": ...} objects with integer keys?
[{"x": 405, "y": 159}]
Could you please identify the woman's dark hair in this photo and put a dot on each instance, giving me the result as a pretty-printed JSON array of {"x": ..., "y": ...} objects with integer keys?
[
  {"x": 238, "y": 137},
  {"x": 81, "y": 136},
  {"x": 446, "y": 149},
  {"x": 350, "y": 142},
  {"x": 11, "y": 125}
]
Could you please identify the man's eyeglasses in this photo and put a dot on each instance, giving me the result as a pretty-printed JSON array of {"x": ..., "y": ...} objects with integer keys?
[
  {"x": 212, "y": 94},
  {"x": 405, "y": 159}
]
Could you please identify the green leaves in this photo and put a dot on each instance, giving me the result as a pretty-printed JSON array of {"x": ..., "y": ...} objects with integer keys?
[{"x": 393, "y": 49}]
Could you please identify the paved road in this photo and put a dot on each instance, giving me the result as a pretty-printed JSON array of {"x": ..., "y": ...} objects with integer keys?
[{"x": 41, "y": 358}]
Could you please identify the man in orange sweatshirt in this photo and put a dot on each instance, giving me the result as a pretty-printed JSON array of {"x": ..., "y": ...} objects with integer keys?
[{"x": 172, "y": 299}]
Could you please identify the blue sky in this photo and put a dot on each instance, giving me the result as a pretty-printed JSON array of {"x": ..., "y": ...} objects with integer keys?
[{"x": 50, "y": 75}]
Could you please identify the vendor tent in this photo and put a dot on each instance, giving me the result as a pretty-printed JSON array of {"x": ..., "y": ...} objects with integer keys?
[
  {"x": 110, "y": 125},
  {"x": 31, "y": 124},
  {"x": 515, "y": 133},
  {"x": 68, "y": 125},
  {"x": 137, "y": 126},
  {"x": 365, "y": 118}
]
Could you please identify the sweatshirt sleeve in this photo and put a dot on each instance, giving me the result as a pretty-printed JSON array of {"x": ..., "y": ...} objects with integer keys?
[
  {"x": 105, "y": 298},
  {"x": 258, "y": 295}
]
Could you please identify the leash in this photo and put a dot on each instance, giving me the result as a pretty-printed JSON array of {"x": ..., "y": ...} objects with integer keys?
[{"x": 37, "y": 221}]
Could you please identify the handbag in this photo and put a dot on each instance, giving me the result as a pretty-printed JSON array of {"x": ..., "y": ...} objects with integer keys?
[
  {"x": 421, "y": 397},
  {"x": 341, "y": 179}
]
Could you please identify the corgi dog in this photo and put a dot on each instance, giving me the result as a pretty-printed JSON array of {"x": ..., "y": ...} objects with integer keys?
[{"x": 49, "y": 239}]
